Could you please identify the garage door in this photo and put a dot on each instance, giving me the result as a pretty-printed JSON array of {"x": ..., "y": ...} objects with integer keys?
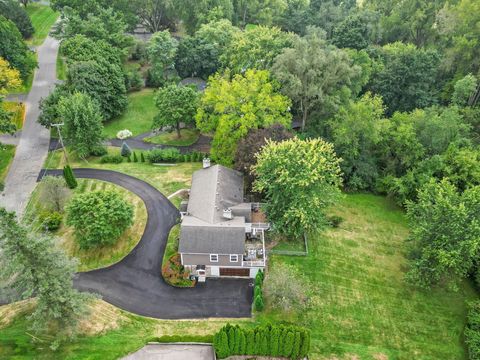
[{"x": 234, "y": 272}]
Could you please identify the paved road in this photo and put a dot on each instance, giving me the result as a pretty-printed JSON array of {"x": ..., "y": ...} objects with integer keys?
[
  {"x": 135, "y": 283},
  {"x": 33, "y": 145},
  {"x": 173, "y": 352}
]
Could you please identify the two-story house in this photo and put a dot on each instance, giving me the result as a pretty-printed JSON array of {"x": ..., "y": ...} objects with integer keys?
[{"x": 221, "y": 235}]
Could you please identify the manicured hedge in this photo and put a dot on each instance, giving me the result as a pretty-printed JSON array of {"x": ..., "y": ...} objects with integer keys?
[
  {"x": 111, "y": 159},
  {"x": 172, "y": 155},
  {"x": 271, "y": 340},
  {"x": 472, "y": 331},
  {"x": 183, "y": 338}
]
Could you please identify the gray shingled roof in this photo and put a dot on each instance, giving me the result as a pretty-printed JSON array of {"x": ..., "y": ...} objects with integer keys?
[
  {"x": 212, "y": 240},
  {"x": 214, "y": 189}
]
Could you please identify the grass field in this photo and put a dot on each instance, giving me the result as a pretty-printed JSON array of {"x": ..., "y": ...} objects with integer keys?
[
  {"x": 100, "y": 256},
  {"x": 188, "y": 137},
  {"x": 137, "y": 118},
  {"x": 167, "y": 179},
  {"x": 18, "y": 110},
  {"x": 361, "y": 307},
  {"x": 61, "y": 68},
  {"x": 7, "y": 152},
  {"x": 43, "y": 18}
]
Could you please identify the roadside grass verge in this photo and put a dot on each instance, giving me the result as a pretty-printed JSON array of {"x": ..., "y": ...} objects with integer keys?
[
  {"x": 61, "y": 68},
  {"x": 18, "y": 110},
  {"x": 43, "y": 18},
  {"x": 167, "y": 179},
  {"x": 360, "y": 306},
  {"x": 138, "y": 117},
  {"x": 188, "y": 137},
  {"x": 96, "y": 257},
  {"x": 7, "y": 152}
]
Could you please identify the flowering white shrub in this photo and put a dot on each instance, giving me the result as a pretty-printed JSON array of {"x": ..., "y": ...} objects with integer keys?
[{"x": 124, "y": 134}]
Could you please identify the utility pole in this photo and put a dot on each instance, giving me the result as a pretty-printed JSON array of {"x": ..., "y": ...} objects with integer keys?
[{"x": 61, "y": 140}]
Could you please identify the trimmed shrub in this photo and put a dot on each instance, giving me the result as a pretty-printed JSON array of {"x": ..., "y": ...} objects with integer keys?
[
  {"x": 99, "y": 151},
  {"x": 111, "y": 159},
  {"x": 163, "y": 155},
  {"x": 50, "y": 220},
  {"x": 69, "y": 177},
  {"x": 129, "y": 159},
  {"x": 125, "y": 150},
  {"x": 135, "y": 158},
  {"x": 142, "y": 157}
]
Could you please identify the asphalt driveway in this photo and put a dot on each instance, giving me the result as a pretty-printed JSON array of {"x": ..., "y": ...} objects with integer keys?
[{"x": 135, "y": 283}]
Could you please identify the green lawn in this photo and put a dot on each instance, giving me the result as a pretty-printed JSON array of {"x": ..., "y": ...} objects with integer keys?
[
  {"x": 188, "y": 137},
  {"x": 43, "y": 18},
  {"x": 361, "y": 306},
  {"x": 167, "y": 179},
  {"x": 7, "y": 152},
  {"x": 98, "y": 257},
  {"x": 137, "y": 118}
]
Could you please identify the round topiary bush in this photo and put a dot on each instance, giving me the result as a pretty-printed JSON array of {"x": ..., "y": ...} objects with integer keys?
[{"x": 99, "y": 217}]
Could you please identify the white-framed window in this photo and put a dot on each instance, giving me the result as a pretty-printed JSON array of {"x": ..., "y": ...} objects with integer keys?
[
  {"x": 233, "y": 258},
  {"x": 213, "y": 257}
]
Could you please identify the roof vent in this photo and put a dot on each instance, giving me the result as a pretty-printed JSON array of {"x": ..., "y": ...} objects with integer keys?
[
  {"x": 206, "y": 163},
  {"x": 227, "y": 213}
]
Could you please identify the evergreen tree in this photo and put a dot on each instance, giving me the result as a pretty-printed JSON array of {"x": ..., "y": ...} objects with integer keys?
[
  {"x": 258, "y": 340},
  {"x": 236, "y": 347},
  {"x": 258, "y": 279},
  {"x": 221, "y": 344},
  {"x": 125, "y": 150},
  {"x": 273, "y": 350},
  {"x": 288, "y": 345},
  {"x": 305, "y": 346},
  {"x": 250, "y": 349},
  {"x": 231, "y": 339},
  {"x": 69, "y": 177},
  {"x": 281, "y": 339},
  {"x": 142, "y": 157},
  {"x": 135, "y": 159},
  {"x": 243, "y": 343},
  {"x": 264, "y": 343},
  {"x": 297, "y": 340},
  {"x": 259, "y": 304}
]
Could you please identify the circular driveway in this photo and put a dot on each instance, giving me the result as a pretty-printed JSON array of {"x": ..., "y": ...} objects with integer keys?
[{"x": 135, "y": 283}]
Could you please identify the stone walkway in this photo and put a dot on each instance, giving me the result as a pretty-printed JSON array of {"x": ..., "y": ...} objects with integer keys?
[{"x": 32, "y": 148}]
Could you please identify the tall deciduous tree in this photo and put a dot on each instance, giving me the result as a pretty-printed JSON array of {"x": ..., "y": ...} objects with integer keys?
[
  {"x": 82, "y": 123},
  {"x": 9, "y": 79},
  {"x": 356, "y": 132},
  {"x": 314, "y": 74},
  {"x": 230, "y": 108},
  {"x": 156, "y": 15},
  {"x": 38, "y": 268},
  {"x": 194, "y": 13},
  {"x": 161, "y": 51},
  {"x": 256, "y": 48},
  {"x": 445, "y": 233},
  {"x": 14, "y": 50},
  {"x": 406, "y": 77},
  {"x": 175, "y": 104},
  {"x": 248, "y": 148},
  {"x": 12, "y": 10},
  {"x": 299, "y": 179}
]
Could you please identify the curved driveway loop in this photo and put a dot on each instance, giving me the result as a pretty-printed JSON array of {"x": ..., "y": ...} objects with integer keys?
[{"x": 135, "y": 283}]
